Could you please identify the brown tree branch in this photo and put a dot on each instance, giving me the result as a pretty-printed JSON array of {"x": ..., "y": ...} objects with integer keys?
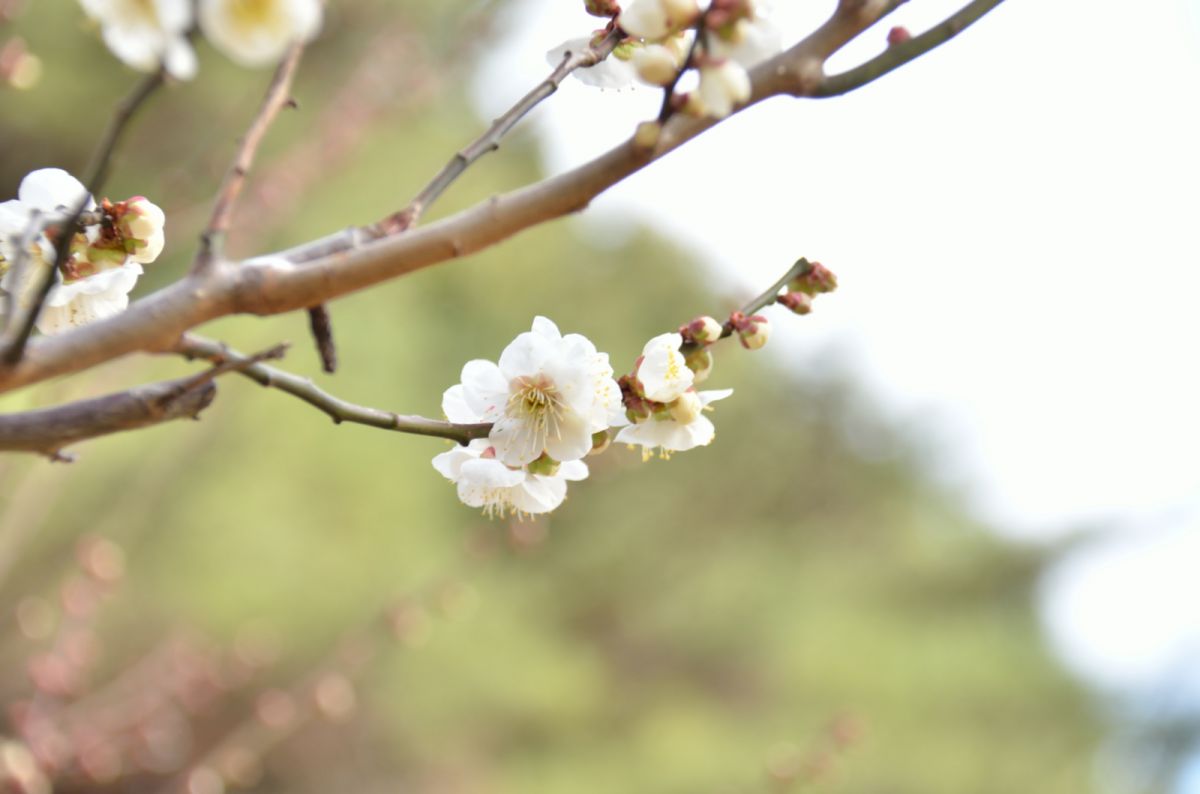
[
  {"x": 271, "y": 285},
  {"x": 899, "y": 54},
  {"x": 335, "y": 408},
  {"x": 277, "y": 97},
  {"x": 47, "y": 431}
]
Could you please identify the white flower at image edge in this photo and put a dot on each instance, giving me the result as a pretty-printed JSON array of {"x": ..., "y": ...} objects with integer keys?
[
  {"x": 257, "y": 32},
  {"x": 145, "y": 34},
  {"x": 52, "y": 191},
  {"x": 672, "y": 434},
  {"x": 483, "y": 481},
  {"x": 549, "y": 393}
]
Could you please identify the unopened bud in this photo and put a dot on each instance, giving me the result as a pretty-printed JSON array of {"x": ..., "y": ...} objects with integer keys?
[
  {"x": 898, "y": 35},
  {"x": 753, "y": 331},
  {"x": 656, "y": 64},
  {"x": 817, "y": 280},
  {"x": 647, "y": 134},
  {"x": 798, "y": 302},
  {"x": 602, "y": 8},
  {"x": 704, "y": 329},
  {"x": 680, "y": 13},
  {"x": 700, "y": 362},
  {"x": 141, "y": 222},
  {"x": 544, "y": 465},
  {"x": 600, "y": 442},
  {"x": 687, "y": 408}
]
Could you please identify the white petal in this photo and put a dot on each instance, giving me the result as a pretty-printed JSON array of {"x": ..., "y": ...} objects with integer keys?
[
  {"x": 525, "y": 356},
  {"x": 546, "y": 327},
  {"x": 713, "y": 395},
  {"x": 539, "y": 494},
  {"x": 484, "y": 388},
  {"x": 454, "y": 406},
  {"x": 574, "y": 439},
  {"x": 180, "y": 59},
  {"x": 573, "y": 470},
  {"x": 47, "y": 189},
  {"x": 517, "y": 442},
  {"x": 139, "y": 47},
  {"x": 491, "y": 473},
  {"x": 449, "y": 463}
]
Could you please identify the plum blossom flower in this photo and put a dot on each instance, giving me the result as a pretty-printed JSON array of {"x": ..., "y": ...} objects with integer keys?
[
  {"x": 549, "y": 394},
  {"x": 663, "y": 371},
  {"x": 257, "y": 32},
  {"x": 683, "y": 427},
  {"x": 656, "y": 19},
  {"x": 615, "y": 71},
  {"x": 749, "y": 41},
  {"x": 484, "y": 481},
  {"x": 724, "y": 84},
  {"x": 105, "y": 260},
  {"x": 147, "y": 34}
]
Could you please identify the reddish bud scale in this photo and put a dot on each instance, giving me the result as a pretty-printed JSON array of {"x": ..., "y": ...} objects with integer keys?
[
  {"x": 817, "y": 281},
  {"x": 797, "y": 302},
  {"x": 898, "y": 35}
]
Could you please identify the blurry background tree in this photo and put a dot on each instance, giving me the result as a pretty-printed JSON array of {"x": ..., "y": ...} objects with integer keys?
[{"x": 267, "y": 601}]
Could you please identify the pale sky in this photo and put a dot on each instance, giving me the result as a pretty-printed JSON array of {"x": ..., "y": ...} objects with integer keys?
[{"x": 1013, "y": 220}]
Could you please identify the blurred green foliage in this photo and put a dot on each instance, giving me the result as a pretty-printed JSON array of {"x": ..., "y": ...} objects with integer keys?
[{"x": 774, "y": 603}]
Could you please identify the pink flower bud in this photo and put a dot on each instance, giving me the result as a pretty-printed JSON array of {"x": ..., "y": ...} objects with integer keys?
[
  {"x": 704, "y": 329},
  {"x": 898, "y": 35},
  {"x": 798, "y": 302}
]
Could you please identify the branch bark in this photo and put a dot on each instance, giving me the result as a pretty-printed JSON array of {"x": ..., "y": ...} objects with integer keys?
[
  {"x": 338, "y": 410},
  {"x": 49, "y": 430},
  {"x": 275, "y": 284},
  {"x": 277, "y": 97}
]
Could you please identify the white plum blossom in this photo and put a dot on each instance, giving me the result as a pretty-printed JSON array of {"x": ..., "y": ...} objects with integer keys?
[
  {"x": 614, "y": 71},
  {"x": 656, "y": 19},
  {"x": 663, "y": 371},
  {"x": 549, "y": 394},
  {"x": 681, "y": 428},
  {"x": 104, "y": 264},
  {"x": 657, "y": 64},
  {"x": 750, "y": 42},
  {"x": 88, "y": 299},
  {"x": 483, "y": 481},
  {"x": 147, "y": 34},
  {"x": 723, "y": 85},
  {"x": 258, "y": 32}
]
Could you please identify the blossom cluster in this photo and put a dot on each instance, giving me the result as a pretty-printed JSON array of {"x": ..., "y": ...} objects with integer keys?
[
  {"x": 551, "y": 401},
  {"x": 152, "y": 34},
  {"x": 104, "y": 259},
  {"x": 666, "y": 38}
]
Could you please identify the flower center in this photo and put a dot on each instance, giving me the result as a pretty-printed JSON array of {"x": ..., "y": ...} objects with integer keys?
[
  {"x": 255, "y": 14},
  {"x": 537, "y": 401}
]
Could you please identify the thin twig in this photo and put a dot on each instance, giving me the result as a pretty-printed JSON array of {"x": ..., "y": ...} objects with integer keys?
[
  {"x": 897, "y": 55},
  {"x": 280, "y": 282},
  {"x": 47, "y": 431},
  {"x": 277, "y": 97},
  {"x": 760, "y": 302},
  {"x": 490, "y": 140},
  {"x": 321, "y": 326},
  {"x": 99, "y": 166},
  {"x": 337, "y": 409}
]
